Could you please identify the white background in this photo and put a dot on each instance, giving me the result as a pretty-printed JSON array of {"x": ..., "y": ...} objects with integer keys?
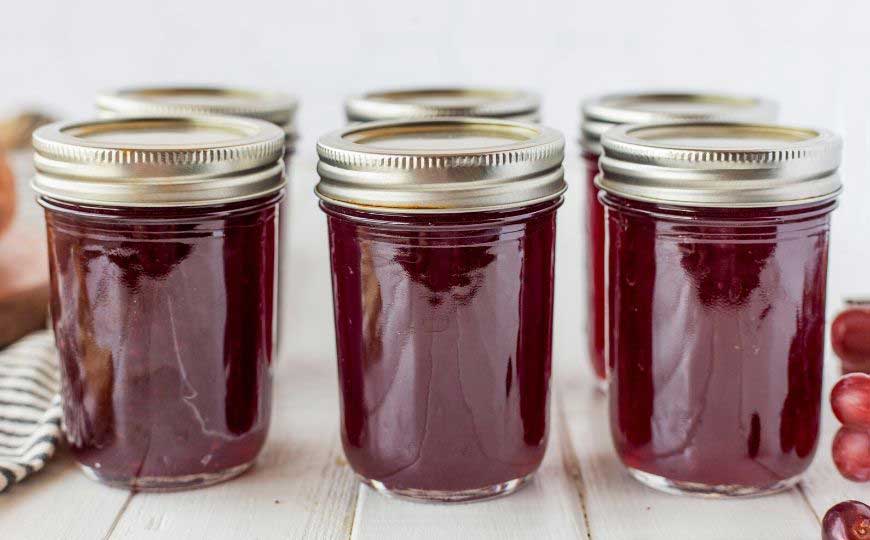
[{"x": 811, "y": 56}]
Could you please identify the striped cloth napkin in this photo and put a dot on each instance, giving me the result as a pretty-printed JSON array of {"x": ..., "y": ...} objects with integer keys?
[{"x": 30, "y": 411}]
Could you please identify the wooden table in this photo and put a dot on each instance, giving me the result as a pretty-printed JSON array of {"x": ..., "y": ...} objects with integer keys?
[{"x": 303, "y": 488}]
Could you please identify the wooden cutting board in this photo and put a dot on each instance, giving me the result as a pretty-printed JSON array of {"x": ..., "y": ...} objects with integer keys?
[
  {"x": 23, "y": 281},
  {"x": 23, "y": 265}
]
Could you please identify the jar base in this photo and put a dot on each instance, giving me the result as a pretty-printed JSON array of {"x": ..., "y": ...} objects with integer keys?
[
  {"x": 167, "y": 483},
  {"x": 440, "y": 496},
  {"x": 711, "y": 491}
]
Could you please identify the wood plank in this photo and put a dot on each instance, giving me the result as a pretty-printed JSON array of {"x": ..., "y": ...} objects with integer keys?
[{"x": 60, "y": 502}]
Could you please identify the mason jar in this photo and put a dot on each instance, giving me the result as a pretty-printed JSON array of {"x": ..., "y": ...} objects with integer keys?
[
  {"x": 717, "y": 257},
  {"x": 419, "y": 103},
  {"x": 162, "y": 240},
  {"x": 274, "y": 107},
  {"x": 606, "y": 111},
  {"x": 442, "y": 242}
]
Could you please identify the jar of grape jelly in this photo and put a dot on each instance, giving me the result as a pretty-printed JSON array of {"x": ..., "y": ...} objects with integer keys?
[
  {"x": 440, "y": 102},
  {"x": 717, "y": 255},
  {"x": 162, "y": 253},
  {"x": 274, "y": 107},
  {"x": 604, "y": 112},
  {"x": 442, "y": 240}
]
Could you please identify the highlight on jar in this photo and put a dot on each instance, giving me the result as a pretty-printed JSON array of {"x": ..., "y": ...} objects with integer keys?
[
  {"x": 420, "y": 103},
  {"x": 442, "y": 241},
  {"x": 604, "y": 112},
  {"x": 162, "y": 253},
  {"x": 717, "y": 238}
]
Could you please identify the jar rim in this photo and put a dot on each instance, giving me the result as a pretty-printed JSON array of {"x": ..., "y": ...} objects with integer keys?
[
  {"x": 721, "y": 164},
  {"x": 275, "y": 107},
  {"x": 408, "y": 103},
  {"x": 440, "y": 165},
  {"x": 158, "y": 160},
  {"x": 605, "y": 111}
]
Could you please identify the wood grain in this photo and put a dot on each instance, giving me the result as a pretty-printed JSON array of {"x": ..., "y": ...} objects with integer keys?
[{"x": 23, "y": 282}]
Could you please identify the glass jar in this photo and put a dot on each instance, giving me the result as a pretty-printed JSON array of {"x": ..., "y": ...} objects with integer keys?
[
  {"x": 277, "y": 108},
  {"x": 850, "y": 336},
  {"x": 717, "y": 252},
  {"x": 442, "y": 242},
  {"x": 162, "y": 238},
  {"x": 604, "y": 112},
  {"x": 419, "y": 103},
  {"x": 273, "y": 107}
]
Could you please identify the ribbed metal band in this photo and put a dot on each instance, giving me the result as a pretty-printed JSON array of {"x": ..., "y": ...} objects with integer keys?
[
  {"x": 75, "y": 166},
  {"x": 524, "y": 169},
  {"x": 720, "y": 164}
]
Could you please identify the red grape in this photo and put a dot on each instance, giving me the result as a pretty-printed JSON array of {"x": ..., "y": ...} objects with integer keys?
[
  {"x": 851, "y": 453},
  {"x": 850, "y": 338},
  {"x": 849, "y": 520},
  {"x": 850, "y": 400}
]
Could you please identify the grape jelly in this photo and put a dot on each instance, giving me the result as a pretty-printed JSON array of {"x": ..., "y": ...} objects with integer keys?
[
  {"x": 162, "y": 253},
  {"x": 442, "y": 242},
  {"x": 716, "y": 301}
]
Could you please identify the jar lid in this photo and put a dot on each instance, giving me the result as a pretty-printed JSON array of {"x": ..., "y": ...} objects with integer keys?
[
  {"x": 720, "y": 164},
  {"x": 603, "y": 112},
  {"x": 443, "y": 165},
  {"x": 440, "y": 102},
  {"x": 277, "y": 108},
  {"x": 158, "y": 161}
]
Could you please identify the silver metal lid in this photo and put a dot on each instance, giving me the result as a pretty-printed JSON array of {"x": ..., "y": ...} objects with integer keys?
[
  {"x": 158, "y": 161},
  {"x": 720, "y": 164},
  {"x": 440, "y": 165},
  {"x": 443, "y": 102},
  {"x": 277, "y": 108},
  {"x": 603, "y": 112}
]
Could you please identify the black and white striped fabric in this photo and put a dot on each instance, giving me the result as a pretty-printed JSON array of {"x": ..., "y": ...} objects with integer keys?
[{"x": 30, "y": 409}]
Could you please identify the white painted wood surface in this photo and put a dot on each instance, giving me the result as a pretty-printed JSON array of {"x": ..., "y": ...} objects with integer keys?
[{"x": 303, "y": 488}]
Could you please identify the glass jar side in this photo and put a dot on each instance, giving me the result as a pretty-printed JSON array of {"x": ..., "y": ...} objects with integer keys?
[
  {"x": 716, "y": 340},
  {"x": 281, "y": 312},
  {"x": 444, "y": 334},
  {"x": 595, "y": 288},
  {"x": 164, "y": 322}
]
